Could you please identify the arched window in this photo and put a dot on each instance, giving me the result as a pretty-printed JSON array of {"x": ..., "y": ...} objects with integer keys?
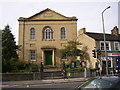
[
  {"x": 47, "y": 33},
  {"x": 63, "y": 33},
  {"x": 32, "y": 34}
]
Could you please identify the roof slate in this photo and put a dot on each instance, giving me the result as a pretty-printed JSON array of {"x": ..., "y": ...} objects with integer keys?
[{"x": 99, "y": 36}]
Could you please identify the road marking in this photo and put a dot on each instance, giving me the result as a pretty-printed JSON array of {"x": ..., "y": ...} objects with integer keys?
[{"x": 7, "y": 85}]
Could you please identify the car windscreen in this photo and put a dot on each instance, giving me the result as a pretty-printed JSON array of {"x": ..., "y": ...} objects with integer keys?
[{"x": 99, "y": 83}]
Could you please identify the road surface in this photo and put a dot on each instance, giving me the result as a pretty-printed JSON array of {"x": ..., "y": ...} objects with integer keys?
[{"x": 68, "y": 85}]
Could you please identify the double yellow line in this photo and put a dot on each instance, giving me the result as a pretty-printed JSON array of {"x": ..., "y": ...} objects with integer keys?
[{"x": 6, "y": 85}]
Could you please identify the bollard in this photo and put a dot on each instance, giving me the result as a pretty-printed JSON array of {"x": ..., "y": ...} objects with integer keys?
[{"x": 85, "y": 72}]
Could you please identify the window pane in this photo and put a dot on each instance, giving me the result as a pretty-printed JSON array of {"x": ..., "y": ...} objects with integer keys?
[
  {"x": 107, "y": 45},
  {"x": 102, "y": 46},
  {"x": 47, "y": 33},
  {"x": 63, "y": 33},
  {"x": 32, "y": 34},
  {"x": 51, "y": 35},
  {"x": 32, "y": 55},
  {"x": 116, "y": 45}
]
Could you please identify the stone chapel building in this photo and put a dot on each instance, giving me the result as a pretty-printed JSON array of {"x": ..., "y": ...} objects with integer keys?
[{"x": 43, "y": 35}]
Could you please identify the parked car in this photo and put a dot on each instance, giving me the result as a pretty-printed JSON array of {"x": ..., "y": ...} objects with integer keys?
[{"x": 103, "y": 83}]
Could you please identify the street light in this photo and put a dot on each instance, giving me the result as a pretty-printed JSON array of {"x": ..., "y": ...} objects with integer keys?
[{"x": 105, "y": 40}]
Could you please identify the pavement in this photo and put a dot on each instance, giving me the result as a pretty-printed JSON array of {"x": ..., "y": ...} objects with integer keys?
[{"x": 36, "y": 82}]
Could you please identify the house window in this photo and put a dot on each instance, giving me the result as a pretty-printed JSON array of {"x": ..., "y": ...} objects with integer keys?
[
  {"x": 110, "y": 61},
  {"x": 32, "y": 55},
  {"x": 107, "y": 45},
  {"x": 47, "y": 33},
  {"x": 32, "y": 34},
  {"x": 116, "y": 46},
  {"x": 63, "y": 33}
]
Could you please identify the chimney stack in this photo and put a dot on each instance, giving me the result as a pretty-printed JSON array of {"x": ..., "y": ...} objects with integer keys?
[
  {"x": 115, "y": 31},
  {"x": 82, "y": 31}
]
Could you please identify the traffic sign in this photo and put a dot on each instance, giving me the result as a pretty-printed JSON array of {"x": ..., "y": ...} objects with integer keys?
[{"x": 113, "y": 54}]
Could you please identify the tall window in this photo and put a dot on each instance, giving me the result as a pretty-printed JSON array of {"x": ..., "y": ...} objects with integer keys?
[
  {"x": 63, "y": 33},
  {"x": 32, "y": 55},
  {"x": 32, "y": 34},
  {"x": 47, "y": 33},
  {"x": 107, "y": 45},
  {"x": 116, "y": 46}
]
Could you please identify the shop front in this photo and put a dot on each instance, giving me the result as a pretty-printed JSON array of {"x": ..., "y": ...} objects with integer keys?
[{"x": 116, "y": 65}]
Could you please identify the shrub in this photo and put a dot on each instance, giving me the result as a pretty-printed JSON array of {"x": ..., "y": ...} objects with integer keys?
[
  {"x": 68, "y": 66},
  {"x": 27, "y": 67},
  {"x": 21, "y": 65},
  {"x": 34, "y": 67},
  {"x": 93, "y": 69},
  {"x": 12, "y": 64}
]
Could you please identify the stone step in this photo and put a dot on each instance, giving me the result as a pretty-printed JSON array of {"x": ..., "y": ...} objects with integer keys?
[{"x": 52, "y": 69}]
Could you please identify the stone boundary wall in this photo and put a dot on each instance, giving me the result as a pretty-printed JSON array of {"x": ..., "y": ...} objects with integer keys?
[{"x": 39, "y": 76}]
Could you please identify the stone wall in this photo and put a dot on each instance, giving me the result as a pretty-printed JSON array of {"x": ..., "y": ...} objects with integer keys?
[
  {"x": 20, "y": 76},
  {"x": 45, "y": 75}
]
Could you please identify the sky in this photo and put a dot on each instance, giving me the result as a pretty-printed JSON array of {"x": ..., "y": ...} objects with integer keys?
[{"x": 88, "y": 12}]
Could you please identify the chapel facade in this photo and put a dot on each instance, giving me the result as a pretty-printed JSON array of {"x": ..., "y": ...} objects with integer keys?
[{"x": 43, "y": 35}]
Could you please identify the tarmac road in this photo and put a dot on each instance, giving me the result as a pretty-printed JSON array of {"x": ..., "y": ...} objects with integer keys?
[
  {"x": 68, "y": 85},
  {"x": 44, "y": 84}
]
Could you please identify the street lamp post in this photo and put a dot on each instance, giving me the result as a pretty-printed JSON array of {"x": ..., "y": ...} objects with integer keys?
[{"x": 105, "y": 40}]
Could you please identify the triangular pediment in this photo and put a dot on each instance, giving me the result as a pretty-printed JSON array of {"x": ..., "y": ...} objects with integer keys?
[{"x": 48, "y": 14}]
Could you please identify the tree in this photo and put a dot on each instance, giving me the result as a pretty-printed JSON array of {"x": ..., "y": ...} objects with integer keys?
[
  {"x": 9, "y": 48},
  {"x": 71, "y": 49}
]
